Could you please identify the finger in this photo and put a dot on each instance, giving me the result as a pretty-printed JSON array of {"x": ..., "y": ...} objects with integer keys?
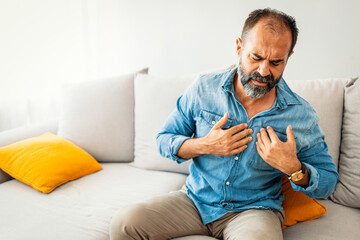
[
  {"x": 265, "y": 138},
  {"x": 238, "y": 150},
  {"x": 259, "y": 142},
  {"x": 221, "y": 122},
  {"x": 242, "y": 142},
  {"x": 240, "y": 135},
  {"x": 272, "y": 134},
  {"x": 259, "y": 150},
  {"x": 290, "y": 134},
  {"x": 237, "y": 128}
]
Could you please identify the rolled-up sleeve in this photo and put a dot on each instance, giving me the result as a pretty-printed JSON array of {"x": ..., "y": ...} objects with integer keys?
[
  {"x": 179, "y": 126},
  {"x": 319, "y": 163}
]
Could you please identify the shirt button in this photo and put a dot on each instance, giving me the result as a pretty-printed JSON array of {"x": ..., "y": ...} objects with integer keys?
[
  {"x": 236, "y": 158},
  {"x": 213, "y": 122},
  {"x": 228, "y": 183}
]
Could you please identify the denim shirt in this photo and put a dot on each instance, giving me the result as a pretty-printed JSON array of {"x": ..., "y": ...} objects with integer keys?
[{"x": 219, "y": 184}]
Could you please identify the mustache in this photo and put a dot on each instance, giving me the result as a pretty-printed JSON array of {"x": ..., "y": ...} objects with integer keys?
[{"x": 258, "y": 77}]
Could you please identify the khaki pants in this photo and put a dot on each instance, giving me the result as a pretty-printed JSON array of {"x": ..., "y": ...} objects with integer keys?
[{"x": 174, "y": 215}]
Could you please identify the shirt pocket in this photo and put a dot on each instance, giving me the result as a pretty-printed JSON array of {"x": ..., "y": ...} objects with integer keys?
[
  {"x": 207, "y": 120},
  {"x": 257, "y": 162}
]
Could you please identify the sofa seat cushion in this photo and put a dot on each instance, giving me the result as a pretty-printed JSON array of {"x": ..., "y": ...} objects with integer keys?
[
  {"x": 80, "y": 209},
  {"x": 338, "y": 223}
]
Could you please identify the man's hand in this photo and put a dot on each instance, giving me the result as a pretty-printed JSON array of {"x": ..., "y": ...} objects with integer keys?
[
  {"x": 217, "y": 142},
  {"x": 280, "y": 155},
  {"x": 231, "y": 141}
]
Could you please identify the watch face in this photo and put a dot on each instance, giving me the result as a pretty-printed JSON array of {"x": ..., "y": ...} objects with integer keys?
[{"x": 297, "y": 176}]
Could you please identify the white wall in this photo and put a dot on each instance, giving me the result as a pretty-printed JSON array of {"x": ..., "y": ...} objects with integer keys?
[
  {"x": 41, "y": 46},
  {"x": 45, "y": 43},
  {"x": 176, "y": 37}
]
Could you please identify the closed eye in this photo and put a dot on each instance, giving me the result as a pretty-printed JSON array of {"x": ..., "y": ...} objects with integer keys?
[
  {"x": 256, "y": 57},
  {"x": 276, "y": 62}
]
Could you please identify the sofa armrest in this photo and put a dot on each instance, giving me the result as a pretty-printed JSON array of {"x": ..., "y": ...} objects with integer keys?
[{"x": 17, "y": 134}]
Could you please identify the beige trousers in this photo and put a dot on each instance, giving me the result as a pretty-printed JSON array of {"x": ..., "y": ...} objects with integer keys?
[{"x": 174, "y": 215}]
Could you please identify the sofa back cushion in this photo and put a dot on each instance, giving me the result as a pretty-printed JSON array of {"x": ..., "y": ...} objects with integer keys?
[
  {"x": 347, "y": 192},
  {"x": 98, "y": 116},
  {"x": 155, "y": 98},
  {"x": 327, "y": 97}
]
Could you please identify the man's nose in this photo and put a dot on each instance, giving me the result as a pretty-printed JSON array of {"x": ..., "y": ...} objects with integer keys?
[{"x": 264, "y": 69}]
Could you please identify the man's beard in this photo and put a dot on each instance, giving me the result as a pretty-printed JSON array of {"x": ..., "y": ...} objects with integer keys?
[{"x": 250, "y": 88}]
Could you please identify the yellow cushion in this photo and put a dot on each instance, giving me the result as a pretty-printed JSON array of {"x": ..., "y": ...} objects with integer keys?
[
  {"x": 46, "y": 162},
  {"x": 298, "y": 207}
]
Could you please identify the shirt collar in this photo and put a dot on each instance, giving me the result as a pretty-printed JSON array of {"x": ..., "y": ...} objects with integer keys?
[
  {"x": 285, "y": 96},
  {"x": 227, "y": 80}
]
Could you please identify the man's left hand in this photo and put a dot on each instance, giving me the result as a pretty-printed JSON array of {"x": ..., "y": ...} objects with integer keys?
[{"x": 278, "y": 154}]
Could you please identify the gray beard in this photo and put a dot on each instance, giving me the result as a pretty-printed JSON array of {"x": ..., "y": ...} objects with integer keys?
[{"x": 253, "y": 90}]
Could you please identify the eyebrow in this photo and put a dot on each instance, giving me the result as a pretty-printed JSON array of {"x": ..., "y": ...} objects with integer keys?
[{"x": 273, "y": 61}]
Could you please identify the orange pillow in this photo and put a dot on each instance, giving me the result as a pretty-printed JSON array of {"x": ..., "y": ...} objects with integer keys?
[
  {"x": 46, "y": 162},
  {"x": 297, "y": 206}
]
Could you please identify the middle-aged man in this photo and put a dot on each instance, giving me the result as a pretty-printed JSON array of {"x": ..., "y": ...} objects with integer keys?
[{"x": 244, "y": 128}]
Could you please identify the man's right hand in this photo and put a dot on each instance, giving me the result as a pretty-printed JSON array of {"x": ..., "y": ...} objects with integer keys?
[
  {"x": 231, "y": 141},
  {"x": 217, "y": 142}
]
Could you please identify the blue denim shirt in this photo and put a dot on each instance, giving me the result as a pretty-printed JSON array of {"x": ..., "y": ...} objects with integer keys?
[{"x": 244, "y": 181}]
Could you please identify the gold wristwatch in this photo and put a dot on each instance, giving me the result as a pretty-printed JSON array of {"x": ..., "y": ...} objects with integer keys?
[{"x": 298, "y": 175}]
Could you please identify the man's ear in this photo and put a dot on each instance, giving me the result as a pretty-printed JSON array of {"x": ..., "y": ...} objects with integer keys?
[
  {"x": 239, "y": 44},
  {"x": 291, "y": 53},
  {"x": 287, "y": 59}
]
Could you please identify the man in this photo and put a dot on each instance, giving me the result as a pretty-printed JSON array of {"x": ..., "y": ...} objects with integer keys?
[{"x": 244, "y": 129}]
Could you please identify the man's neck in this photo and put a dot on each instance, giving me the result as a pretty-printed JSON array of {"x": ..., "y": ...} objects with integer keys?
[{"x": 253, "y": 106}]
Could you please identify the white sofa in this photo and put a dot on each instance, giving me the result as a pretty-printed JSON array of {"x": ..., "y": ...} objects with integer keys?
[{"x": 116, "y": 121}]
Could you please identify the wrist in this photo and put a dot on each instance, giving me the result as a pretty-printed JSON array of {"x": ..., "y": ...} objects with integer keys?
[
  {"x": 304, "y": 180},
  {"x": 202, "y": 146},
  {"x": 298, "y": 176},
  {"x": 296, "y": 167}
]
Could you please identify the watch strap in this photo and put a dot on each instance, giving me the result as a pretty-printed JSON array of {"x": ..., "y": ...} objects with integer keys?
[{"x": 303, "y": 170}]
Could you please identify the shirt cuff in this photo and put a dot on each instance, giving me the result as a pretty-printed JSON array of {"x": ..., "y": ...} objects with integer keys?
[
  {"x": 313, "y": 183},
  {"x": 174, "y": 145}
]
